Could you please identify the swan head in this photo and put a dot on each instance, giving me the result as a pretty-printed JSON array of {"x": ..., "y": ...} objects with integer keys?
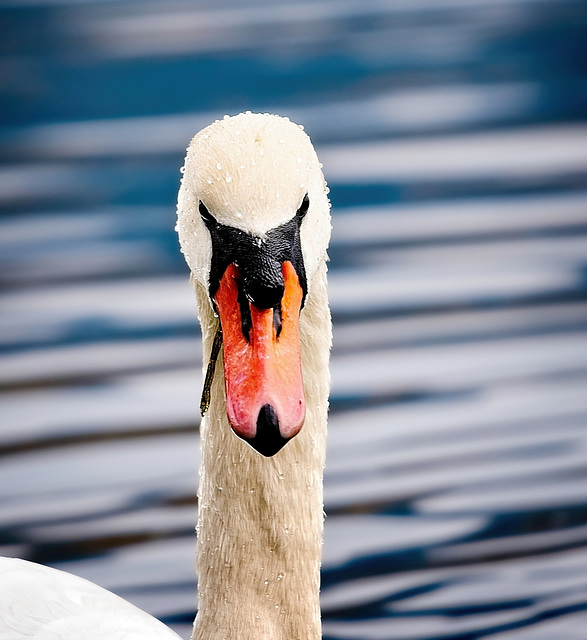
[{"x": 254, "y": 225}]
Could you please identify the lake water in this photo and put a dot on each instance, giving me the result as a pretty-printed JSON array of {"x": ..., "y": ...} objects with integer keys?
[{"x": 454, "y": 138}]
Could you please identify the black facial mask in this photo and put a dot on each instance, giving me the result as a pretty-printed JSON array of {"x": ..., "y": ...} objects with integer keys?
[{"x": 258, "y": 259}]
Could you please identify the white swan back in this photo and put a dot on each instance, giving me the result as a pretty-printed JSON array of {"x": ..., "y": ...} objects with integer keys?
[{"x": 45, "y": 604}]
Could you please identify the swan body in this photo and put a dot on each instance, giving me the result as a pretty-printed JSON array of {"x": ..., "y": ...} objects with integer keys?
[
  {"x": 254, "y": 225},
  {"x": 44, "y": 603}
]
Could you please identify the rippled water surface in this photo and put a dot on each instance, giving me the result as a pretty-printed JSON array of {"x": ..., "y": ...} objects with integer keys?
[{"x": 454, "y": 139}]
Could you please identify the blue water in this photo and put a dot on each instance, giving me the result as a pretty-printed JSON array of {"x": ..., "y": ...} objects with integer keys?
[{"x": 454, "y": 140}]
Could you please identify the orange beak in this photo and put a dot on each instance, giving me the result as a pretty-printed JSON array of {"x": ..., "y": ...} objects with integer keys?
[{"x": 262, "y": 363}]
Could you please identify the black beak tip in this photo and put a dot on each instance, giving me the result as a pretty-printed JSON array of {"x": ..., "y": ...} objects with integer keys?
[{"x": 268, "y": 440}]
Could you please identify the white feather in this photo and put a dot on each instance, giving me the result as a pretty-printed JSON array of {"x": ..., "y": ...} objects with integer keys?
[
  {"x": 40, "y": 602},
  {"x": 252, "y": 172}
]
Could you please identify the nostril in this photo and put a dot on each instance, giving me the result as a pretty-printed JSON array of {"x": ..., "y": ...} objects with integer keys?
[{"x": 277, "y": 320}]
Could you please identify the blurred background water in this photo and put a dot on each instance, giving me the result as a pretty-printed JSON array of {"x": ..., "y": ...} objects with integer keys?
[{"x": 454, "y": 139}]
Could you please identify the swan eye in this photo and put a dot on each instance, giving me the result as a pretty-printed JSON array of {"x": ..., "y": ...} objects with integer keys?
[
  {"x": 301, "y": 212},
  {"x": 207, "y": 217}
]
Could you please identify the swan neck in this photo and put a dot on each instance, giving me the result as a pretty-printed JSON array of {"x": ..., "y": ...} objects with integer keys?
[{"x": 260, "y": 520}]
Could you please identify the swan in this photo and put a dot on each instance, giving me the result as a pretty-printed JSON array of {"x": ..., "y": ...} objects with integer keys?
[{"x": 254, "y": 225}]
